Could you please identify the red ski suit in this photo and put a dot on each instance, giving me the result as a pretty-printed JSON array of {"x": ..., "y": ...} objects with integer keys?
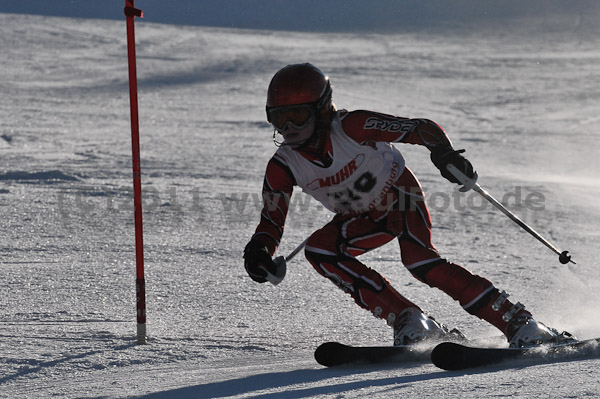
[{"x": 401, "y": 213}]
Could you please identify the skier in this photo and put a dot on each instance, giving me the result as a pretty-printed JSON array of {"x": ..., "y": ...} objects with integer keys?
[{"x": 345, "y": 160}]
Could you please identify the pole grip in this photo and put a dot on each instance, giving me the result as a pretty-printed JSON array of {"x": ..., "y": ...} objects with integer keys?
[
  {"x": 468, "y": 183},
  {"x": 281, "y": 263},
  {"x": 279, "y": 273}
]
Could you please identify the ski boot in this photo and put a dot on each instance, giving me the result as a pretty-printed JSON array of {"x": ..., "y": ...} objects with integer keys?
[
  {"x": 413, "y": 326},
  {"x": 524, "y": 332}
]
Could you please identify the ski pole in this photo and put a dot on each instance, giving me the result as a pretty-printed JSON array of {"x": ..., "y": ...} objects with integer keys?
[
  {"x": 281, "y": 263},
  {"x": 469, "y": 184}
]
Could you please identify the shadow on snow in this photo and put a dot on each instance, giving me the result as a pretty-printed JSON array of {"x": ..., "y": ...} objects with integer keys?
[{"x": 254, "y": 384}]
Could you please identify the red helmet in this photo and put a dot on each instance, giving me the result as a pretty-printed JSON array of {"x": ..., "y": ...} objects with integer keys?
[{"x": 300, "y": 84}]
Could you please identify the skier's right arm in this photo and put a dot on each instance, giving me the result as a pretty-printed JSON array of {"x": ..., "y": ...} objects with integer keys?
[{"x": 277, "y": 190}]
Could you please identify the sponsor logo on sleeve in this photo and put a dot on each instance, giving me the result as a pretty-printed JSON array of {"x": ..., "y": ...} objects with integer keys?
[{"x": 392, "y": 126}]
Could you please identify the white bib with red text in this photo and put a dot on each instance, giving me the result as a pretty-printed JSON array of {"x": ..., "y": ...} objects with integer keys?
[{"x": 358, "y": 178}]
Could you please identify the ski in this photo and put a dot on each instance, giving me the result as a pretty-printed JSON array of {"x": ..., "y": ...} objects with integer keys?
[
  {"x": 453, "y": 356},
  {"x": 332, "y": 354}
]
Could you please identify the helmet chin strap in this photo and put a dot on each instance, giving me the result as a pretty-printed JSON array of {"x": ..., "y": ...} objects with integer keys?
[
  {"x": 283, "y": 143},
  {"x": 312, "y": 138},
  {"x": 277, "y": 143}
]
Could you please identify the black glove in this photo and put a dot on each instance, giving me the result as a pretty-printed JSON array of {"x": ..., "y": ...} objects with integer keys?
[
  {"x": 444, "y": 155},
  {"x": 256, "y": 255}
]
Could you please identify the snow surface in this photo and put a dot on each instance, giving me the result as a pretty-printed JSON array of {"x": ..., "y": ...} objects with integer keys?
[{"x": 523, "y": 104}]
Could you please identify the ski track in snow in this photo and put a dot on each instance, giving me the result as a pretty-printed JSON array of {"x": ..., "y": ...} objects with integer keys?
[{"x": 523, "y": 105}]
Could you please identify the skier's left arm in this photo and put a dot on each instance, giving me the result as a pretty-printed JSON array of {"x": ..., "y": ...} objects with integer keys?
[
  {"x": 367, "y": 126},
  {"x": 432, "y": 136}
]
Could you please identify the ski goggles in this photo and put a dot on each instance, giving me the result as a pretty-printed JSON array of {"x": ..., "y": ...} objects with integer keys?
[{"x": 298, "y": 115}]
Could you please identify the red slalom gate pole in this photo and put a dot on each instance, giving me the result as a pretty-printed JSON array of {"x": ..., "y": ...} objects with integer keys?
[{"x": 140, "y": 283}]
